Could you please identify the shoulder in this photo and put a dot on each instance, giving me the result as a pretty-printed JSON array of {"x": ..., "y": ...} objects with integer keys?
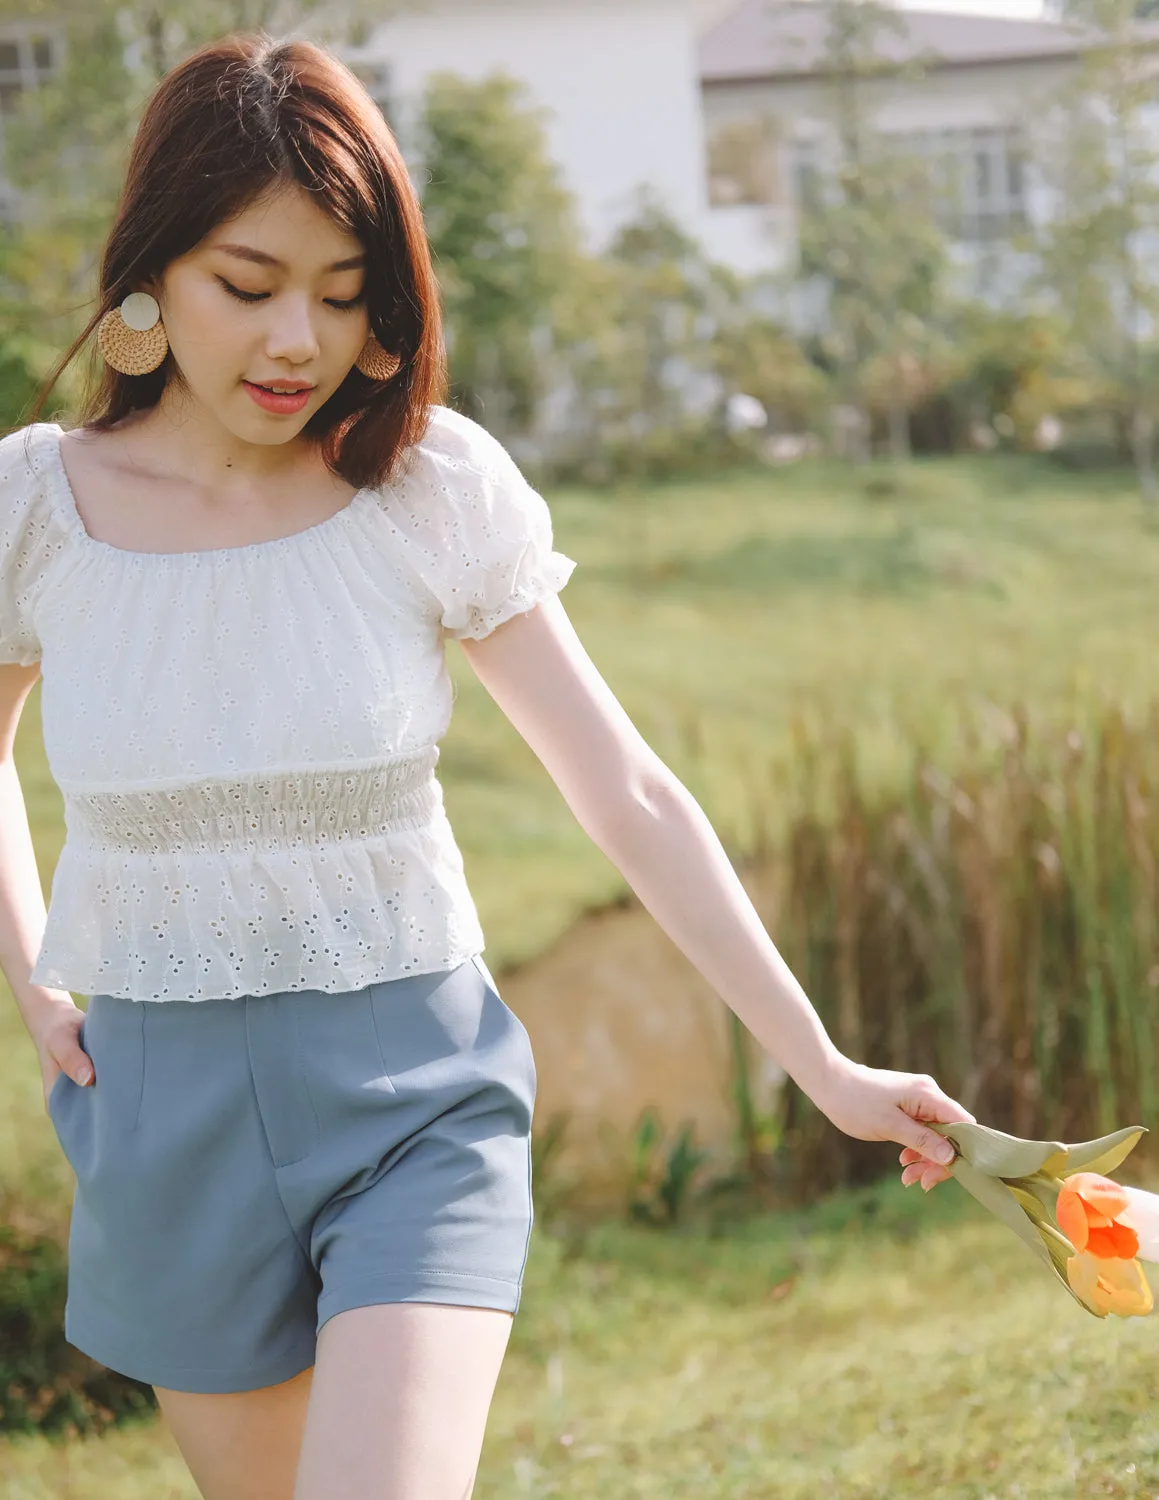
[
  {"x": 453, "y": 441},
  {"x": 22, "y": 452},
  {"x": 28, "y": 459}
]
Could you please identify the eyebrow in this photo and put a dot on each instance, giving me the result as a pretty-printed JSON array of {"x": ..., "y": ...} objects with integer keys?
[{"x": 260, "y": 258}]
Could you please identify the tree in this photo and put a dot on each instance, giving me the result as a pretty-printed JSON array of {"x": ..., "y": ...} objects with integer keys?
[
  {"x": 869, "y": 235},
  {"x": 504, "y": 233},
  {"x": 1099, "y": 156}
]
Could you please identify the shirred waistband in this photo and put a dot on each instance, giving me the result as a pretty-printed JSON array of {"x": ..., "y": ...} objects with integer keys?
[{"x": 291, "y": 810}]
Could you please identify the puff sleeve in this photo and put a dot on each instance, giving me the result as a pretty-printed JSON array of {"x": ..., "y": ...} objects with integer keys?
[
  {"x": 27, "y": 537},
  {"x": 478, "y": 535}
]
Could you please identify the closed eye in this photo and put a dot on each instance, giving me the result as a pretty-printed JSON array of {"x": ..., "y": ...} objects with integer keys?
[
  {"x": 241, "y": 296},
  {"x": 342, "y": 306}
]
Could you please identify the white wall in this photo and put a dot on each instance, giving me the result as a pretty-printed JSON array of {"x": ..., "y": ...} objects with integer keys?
[{"x": 619, "y": 77}]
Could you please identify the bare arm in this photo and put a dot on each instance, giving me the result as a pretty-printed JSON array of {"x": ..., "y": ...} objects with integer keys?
[
  {"x": 636, "y": 810},
  {"x": 51, "y": 1016}
]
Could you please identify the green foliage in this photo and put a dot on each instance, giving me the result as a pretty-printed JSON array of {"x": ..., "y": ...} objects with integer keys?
[
  {"x": 1098, "y": 155},
  {"x": 869, "y": 234},
  {"x": 663, "y": 1174},
  {"x": 659, "y": 339},
  {"x": 994, "y": 923},
  {"x": 505, "y": 239},
  {"x": 17, "y": 386},
  {"x": 629, "y": 356},
  {"x": 45, "y": 1384}
]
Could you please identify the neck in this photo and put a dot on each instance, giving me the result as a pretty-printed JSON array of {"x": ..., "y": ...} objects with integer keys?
[{"x": 198, "y": 447}]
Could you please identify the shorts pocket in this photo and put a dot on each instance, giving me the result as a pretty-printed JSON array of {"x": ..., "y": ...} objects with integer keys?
[
  {"x": 63, "y": 1081},
  {"x": 89, "y": 1118},
  {"x": 450, "y": 1029}
]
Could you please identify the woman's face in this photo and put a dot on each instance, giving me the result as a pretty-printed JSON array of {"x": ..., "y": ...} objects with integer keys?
[{"x": 273, "y": 298}]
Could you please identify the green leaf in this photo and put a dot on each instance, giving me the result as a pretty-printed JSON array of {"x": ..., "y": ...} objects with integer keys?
[
  {"x": 1057, "y": 1246},
  {"x": 996, "y": 1196},
  {"x": 1000, "y": 1155},
  {"x": 1105, "y": 1154}
]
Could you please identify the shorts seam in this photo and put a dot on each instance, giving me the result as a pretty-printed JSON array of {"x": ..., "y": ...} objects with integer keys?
[
  {"x": 141, "y": 1074},
  {"x": 416, "y": 1279},
  {"x": 530, "y": 1212}
]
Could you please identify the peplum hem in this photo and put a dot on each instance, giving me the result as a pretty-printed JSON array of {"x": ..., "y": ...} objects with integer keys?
[{"x": 183, "y": 925}]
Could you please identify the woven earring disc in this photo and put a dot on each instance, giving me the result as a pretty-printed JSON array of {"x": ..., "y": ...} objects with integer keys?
[
  {"x": 376, "y": 363},
  {"x": 128, "y": 351}
]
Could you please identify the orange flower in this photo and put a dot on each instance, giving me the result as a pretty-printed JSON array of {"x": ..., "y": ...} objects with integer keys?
[
  {"x": 1089, "y": 1213},
  {"x": 1103, "y": 1221}
]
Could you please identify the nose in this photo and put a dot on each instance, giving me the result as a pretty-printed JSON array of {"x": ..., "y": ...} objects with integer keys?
[{"x": 291, "y": 335}]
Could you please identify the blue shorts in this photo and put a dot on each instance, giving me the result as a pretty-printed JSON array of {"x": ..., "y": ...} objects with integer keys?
[{"x": 247, "y": 1168}]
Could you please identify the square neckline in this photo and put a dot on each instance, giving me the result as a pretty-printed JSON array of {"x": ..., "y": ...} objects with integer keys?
[{"x": 278, "y": 543}]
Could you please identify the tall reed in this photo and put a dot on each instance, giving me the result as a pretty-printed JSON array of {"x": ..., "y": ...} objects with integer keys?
[{"x": 996, "y": 925}]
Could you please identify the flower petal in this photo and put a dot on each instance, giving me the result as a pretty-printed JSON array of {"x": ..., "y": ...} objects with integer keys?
[
  {"x": 1111, "y": 1286},
  {"x": 1142, "y": 1215},
  {"x": 1126, "y": 1289},
  {"x": 1099, "y": 1193},
  {"x": 1072, "y": 1217},
  {"x": 1082, "y": 1272},
  {"x": 1117, "y": 1242}
]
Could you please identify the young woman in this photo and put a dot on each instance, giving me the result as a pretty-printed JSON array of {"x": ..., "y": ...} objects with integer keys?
[{"x": 297, "y": 1108}]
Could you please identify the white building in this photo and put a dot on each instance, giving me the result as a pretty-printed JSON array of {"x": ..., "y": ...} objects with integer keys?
[
  {"x": 972, "y": 105},
  {"x": 721, "y": 106},
  {"x": 619, "y": 79}
]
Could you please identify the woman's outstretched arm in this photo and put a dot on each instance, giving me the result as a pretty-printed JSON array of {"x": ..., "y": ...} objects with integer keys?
[{"x": 650, "y": 826}]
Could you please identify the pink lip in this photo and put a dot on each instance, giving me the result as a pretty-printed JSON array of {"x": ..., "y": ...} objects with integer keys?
[{"x": 282, "y": 405}]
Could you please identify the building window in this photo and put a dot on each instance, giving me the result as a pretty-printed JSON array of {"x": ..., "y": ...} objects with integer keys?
[
  {"x": 25, "y": 63},
  {"x": 808, "y": 176},
  {"x": 743, "y": 165},
  {"x": 980, "y": 180}
]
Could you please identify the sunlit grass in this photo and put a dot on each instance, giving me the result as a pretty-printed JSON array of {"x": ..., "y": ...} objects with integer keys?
[{"x": 883, "y": 1345}]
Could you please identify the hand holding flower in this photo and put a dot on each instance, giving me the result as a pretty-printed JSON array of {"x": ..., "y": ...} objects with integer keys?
[{"x": 875, "y": 1104}]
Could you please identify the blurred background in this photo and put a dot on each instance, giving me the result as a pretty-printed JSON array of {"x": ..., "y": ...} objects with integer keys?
[{"x": 828, "y": 328}]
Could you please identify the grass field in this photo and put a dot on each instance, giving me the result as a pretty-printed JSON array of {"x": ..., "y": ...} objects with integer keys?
[
  {"x": 885, "y": 1346},
  {"x": 895, "y": 1363}
]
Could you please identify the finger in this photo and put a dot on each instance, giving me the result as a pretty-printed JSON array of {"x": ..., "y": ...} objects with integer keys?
[
  {"x": 909, "y": 1155},
  {"x": 931, "y": 1176},
  {"x": 932, "y": 1104},
  {"x": 75, "y": 1061},
  {"x": 912, "y": 1174},
  {"x": 927, "y": 1143}
]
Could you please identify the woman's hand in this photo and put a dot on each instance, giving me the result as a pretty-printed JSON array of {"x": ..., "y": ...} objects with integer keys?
[
  {"x": 56, "y": 1033},
  {"x": 873, "y": 1104}
]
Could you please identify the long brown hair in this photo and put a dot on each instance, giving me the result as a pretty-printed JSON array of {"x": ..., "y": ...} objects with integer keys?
[{"x": 222, "y": 129}]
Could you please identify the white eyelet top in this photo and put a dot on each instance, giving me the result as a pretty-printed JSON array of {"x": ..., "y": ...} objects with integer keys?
[{"x": 246, "y": 738}]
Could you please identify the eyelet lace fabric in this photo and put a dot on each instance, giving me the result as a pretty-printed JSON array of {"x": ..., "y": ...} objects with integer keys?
[{"x": 246, "y": 739}]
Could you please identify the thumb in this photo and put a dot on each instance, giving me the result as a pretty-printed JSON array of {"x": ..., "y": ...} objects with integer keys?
[
  {"x": 930, "y": 1143},
  {"x": 930, "y": 1105},
  {"x": 75, "y": 1061}
]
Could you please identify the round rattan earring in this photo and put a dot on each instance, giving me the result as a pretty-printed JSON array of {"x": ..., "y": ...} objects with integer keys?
[
  {"x": 375, "y": 363},
  {"x": 132, "y": 337}
]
